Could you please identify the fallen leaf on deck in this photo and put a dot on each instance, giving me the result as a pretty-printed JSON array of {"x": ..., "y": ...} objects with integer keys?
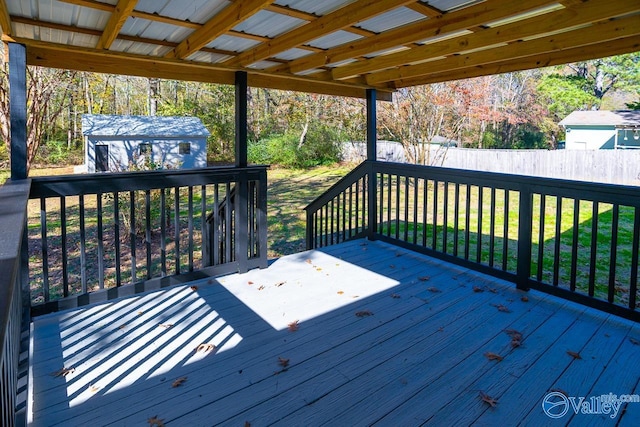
[
  {"x": 424, "y": 278},
  {"x": 477, "y": 289},
  {"x": 364, "y": 313},
  {"x": 178, "y": 382},
  {"x": 249, "y": 282},
  {"x": 122, "y": 326},
  {"x": 516, "y": 337},
  {"x": 293, "y": 326},
  {"x": 524, "y": 299},
  {"x": 493, "y": 290},
  {"x": 340, "y": 292},
  {"x": 308, "y": 261},
  {"x": 166, "y": 325},
  {"x": 318, "y": 269},
  {"x": 155, "y": 421},
  {"x": 94, "y": 389},
  {"x": 63, "y": 372},
  {"x": 194, "y": 288},
  {"x": 395, "y": 296},
  {"x": 261, "y": 287},
  {"x": 488, "y": 399},
  {"x": 634, "y": 341},
  {"x": 283, "y": 362},
  {"x": 247, "y": 424},
  {"x": 574, "y": 354},
  {"x": 280, "y": 284},
  {"x": 205, "y": 347},
  {"x": 433, "y": 289},
  {"x": 392, "y": 266},
  {"x": 492, "y": 356},
  {"x": 502, "y": 308},
  {"x": 140, "y": 313}
]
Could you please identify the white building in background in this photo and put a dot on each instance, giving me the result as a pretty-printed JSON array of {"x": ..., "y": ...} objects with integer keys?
[
  {"x": 116, "y": 143},
  {"x": 596, "y": 130}
]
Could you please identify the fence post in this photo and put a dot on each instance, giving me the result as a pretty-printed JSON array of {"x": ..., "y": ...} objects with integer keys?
[{"x": 525, "y": 216}]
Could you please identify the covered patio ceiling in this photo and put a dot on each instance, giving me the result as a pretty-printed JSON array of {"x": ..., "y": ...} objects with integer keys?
[{"x": 338, "y": 47}]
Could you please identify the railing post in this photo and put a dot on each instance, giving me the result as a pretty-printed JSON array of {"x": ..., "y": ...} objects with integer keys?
[
  {"x": 372, "y": 184},
  {"x": 18, "y": 109},
  {"x": 525, "y": 216}
]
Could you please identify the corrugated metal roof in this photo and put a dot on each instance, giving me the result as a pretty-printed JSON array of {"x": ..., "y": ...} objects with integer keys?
[
  {"x": 199, "y": 11},
  {"x": 334, "y": 39},
  {"x": 602, "y": 118},
  {"x": 294, "y": 53},
  {"x": 269, "y": 24},
  {"x": 145, "y": 126},
  {"x": 232, "y": 44},
  {"x": 208, "y": 57},
  {"x": 395, "y": 18},
  {"x": 314, "y": 6},
  {"x": 155, "y": 30},
  {"x": 448, "y": 5}
]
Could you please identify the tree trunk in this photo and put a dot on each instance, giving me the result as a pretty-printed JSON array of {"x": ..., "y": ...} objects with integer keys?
[{"x": 153, "y": 96}]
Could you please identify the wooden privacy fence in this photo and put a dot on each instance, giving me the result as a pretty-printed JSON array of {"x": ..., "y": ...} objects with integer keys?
[
  {"x": 573, "y": 239},
  {"x": 99, "y": 232}
]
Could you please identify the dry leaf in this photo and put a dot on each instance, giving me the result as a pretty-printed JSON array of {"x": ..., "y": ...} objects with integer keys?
[
  {"x": 93, "y": 389},
  {"x": 396, "y": 296},
  {"x": 516, "y": 337},
  {"x": 574, "y": 354},
  {"x": 424, "y": 278},
  {"x": 205, "y": 347},
  {"x": 364, "y": 313},
  {"x": 502, "y": 308},
  {"x": 155, "y": 421},
  {"x": 283, "y": 362},
  {"x": 140, "y": 313},
  {"x": 493, "y": 290},
  {"x": 340, "y": 292},
  {"x": 308, "y": 261},
  {"x": 524, "y": 299},
  {"x": 492, "y": 356},
  {"x": 293, "y": 326},
  {"x": 280, "y": 284},
  {"x": 122, "y": 326},
  {"x": 392, "y": 266},
  {"x": 433, "y": 289},
  {"x": 166, "y": 325},
  {"x": 634, "y": 341},
  {"x": 249, "y": 282},
  {"x": 477, "y": 289},
  {"x": 261, "y": 287},
  {"x": 178, "y": 382},
  {"x": 194, "y": 288},
  {"x": 64, "y": 372},
  {"x": 488, "y": 399}
]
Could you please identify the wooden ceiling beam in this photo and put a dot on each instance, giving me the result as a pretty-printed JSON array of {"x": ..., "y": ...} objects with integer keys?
[
  {"x": 589, "y": 12},
  {"x": 425, "y": 9},
  {"x": 5, "y": 20},
  {"x": 222, "y": 22},
  {"x": 100, "y": 61},
  {"x": 597, "y": 33},
  {"x": 119, "y": 16},
  {"x": 583, "y": 53},
  {"x": 339, "y": 19},
  {"x": 481, "y": 13}
]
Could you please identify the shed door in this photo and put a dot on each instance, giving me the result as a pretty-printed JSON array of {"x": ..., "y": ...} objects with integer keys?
[{"x": 102, "y": 158}]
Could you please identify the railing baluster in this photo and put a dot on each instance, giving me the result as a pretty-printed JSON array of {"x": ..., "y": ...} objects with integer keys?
[
  {"x": 425, "y": 206},
  {"x": 574, "y": 244},
  {"x": 344, "y": 216},
  {"x": 505, "y": 231},
  {"x": 613, "y": 255},
  {"x": 163, "y": 232},
  {"x": 45, "y": 248},
  {"x": 456, "y": 222},
  {"x": 492, "y": 235},
  {"x": 357, "y": 206},
  {"x": 227, "y": 223},
  {"x": 543, "y": 209},
  {"x": 556, "y": 252},
  {"x": 176, "y": 228},
  {"x": 203, "y": 227},
  {"x": 415, "y": 210},
  {"x": 132, "y": 235},
  {"x": 83, "y": 245},
  {"x": 480, "y": 208},
  {"x": 147, "y": 205},
  {"x": 445, "y": 222},
  {"x": 190, "y": 227},
  {"x": 635, "y": 248},
  {"x": 389, "y": 208},
  {"x": 116, "y": 234},
  {"x": 381, "y": 195},
  {"x": 100, "y": 242},
  {"x": 406, "y": 209},
  {"x": 218, "y": 223},
  {"x": 594, "y": 248},
  {"x": 63, "y": 246},
  {"x": 434, "y": 230}
]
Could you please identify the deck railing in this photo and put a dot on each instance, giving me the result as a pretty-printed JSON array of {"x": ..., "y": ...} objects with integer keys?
[
  {"x": 99, "y": 232},
  {"x": 577, "y": 240},
  {"x": 13, "y": 313}
]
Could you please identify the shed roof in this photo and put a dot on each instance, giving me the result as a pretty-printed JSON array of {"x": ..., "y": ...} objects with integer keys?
[
  {"x": 602, "y": 118},
  {"x": 146, "y": 126},
  {"x": 339, "y": 47}
]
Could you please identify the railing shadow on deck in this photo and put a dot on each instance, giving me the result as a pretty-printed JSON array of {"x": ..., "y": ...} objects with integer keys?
[{"x": 514, "y": 227}]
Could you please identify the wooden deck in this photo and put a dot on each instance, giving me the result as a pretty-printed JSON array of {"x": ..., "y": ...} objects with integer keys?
[{"x": 385, "y": 336}]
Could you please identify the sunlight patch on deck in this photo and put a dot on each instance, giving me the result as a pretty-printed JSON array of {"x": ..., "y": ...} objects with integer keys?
[
  {"x": 316, "y": 283},
  {"x": 139, "y": 338}
]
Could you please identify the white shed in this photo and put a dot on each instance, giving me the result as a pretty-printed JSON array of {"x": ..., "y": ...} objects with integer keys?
[
  {"x": 595, "y": 130},
  {"x": 115, "y": 143}
]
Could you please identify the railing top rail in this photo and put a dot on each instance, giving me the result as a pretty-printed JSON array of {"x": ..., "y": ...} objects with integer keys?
[
  {"x": 13, "y": 212},
  {"x": 600, "y": 192},
  {"x": 70, "y": 185},
  {"x": 339, "y": 186}
]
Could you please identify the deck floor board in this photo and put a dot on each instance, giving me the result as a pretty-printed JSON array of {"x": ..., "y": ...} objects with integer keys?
[{"x": 385, "y": 336}]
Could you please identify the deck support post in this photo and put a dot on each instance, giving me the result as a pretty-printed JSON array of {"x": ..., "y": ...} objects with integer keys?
[
  {"x": 242, "y": 193},
  {"x": 18, "y": 109},
  {"x": 372, "y": 188},
  {"x": 525, "y": 215}
]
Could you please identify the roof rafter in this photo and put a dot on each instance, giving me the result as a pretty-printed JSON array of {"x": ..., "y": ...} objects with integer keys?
[
  {"x": 218, "y": 25},
  {"x": 478, "y": 14},
  {"x": 610, "y": 30},
  {"x": 599, "y": 50},
  {"x": 538, "y": 25},
  {"x": 5, "y": 21},
  {"x": 116, "y": 21},
  {"x": 336, "y": 20}
]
